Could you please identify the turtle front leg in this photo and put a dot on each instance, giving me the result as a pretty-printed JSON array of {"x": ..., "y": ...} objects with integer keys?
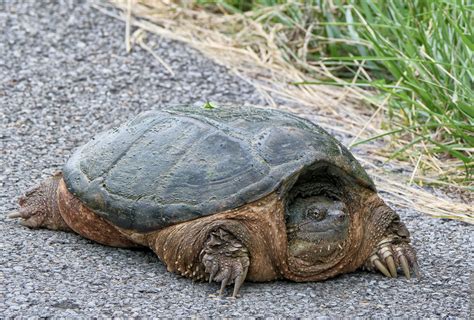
[
  {"x": 211, "y": 248},
  {"x": 226, "y": 260},
  {"x": 394, "y": 251}
]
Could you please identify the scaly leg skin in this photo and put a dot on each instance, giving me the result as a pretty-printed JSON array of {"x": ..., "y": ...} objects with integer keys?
[
  {"x": 39, "y": 208},
  {"x": 391, "y": 254},
  {"x": 226, "y": 260}
]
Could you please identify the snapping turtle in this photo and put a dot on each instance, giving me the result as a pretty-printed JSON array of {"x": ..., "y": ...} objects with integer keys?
[{"x": 226, "y": 194}]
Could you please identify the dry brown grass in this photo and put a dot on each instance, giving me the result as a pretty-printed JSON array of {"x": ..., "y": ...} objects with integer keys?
[{"x": 250, "y": 52}]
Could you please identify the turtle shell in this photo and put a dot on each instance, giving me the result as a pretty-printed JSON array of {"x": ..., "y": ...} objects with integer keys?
[{"x": 184, "y": 162}]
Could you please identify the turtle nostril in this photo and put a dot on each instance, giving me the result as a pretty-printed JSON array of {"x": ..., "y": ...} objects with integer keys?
[{"x": 340, "y": 216}]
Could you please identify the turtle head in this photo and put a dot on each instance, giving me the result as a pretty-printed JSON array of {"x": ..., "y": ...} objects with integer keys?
[
  {"x": 332, "y": 229},
  {"x": 317, "y": 228}
]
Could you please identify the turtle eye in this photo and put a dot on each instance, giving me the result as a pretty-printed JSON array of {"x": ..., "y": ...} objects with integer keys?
[{"x": 316, "y": 213}]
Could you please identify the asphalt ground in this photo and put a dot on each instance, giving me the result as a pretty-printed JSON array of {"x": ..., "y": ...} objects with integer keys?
[{"x": 65, "y": 76}]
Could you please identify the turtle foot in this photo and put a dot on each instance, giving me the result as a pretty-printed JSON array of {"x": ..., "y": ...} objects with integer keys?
[
  {"x": 226, "y": 260},
  {"x": 38, "y": 207},
  {"x": 388, "y": 257},
  {"x": 34, "y": 207}
]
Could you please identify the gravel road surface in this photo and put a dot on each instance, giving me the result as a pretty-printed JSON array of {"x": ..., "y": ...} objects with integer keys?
[{"x": 65, "y": 76}]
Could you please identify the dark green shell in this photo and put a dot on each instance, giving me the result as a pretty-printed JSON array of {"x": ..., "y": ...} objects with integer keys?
[{"x": 180, "y": 163}]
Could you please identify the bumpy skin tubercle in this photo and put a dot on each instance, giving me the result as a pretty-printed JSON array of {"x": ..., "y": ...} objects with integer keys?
[{"x": 39, "y": 206}]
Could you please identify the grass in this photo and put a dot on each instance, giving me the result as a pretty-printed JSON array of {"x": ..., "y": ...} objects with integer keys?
[
  {"x": 417, "y": 53},
  {"x": 317, "y": 63}
]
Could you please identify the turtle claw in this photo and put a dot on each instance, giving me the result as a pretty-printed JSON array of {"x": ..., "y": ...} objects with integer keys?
[
  {"x": 388, "y": 257},
  {"x": 226, "y": 260},
  {"x": 213, "y": 272},
  {"x": 239, "y": 281},
  {"x": 14, "y": 215},
  {"x": 406, "y": 258},
  {"x": 31, "y": 215},
  {"x": 391, "y": 266},
  {"x": 416, "y": 269},
  {"x": 224, "y": 284},
  {"x": 379, "y": 265},
  {"x": 405, "y": 267}
]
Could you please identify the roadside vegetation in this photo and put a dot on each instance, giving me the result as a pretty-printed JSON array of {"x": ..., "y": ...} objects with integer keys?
[
  {"x": 417, "y": 55},
  {"x": 398, "y": 76}
]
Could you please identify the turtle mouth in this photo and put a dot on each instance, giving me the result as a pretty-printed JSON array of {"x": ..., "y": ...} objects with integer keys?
[
  {"x": 316, "y": 240},
  {"x": 315, "y": 254}
]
